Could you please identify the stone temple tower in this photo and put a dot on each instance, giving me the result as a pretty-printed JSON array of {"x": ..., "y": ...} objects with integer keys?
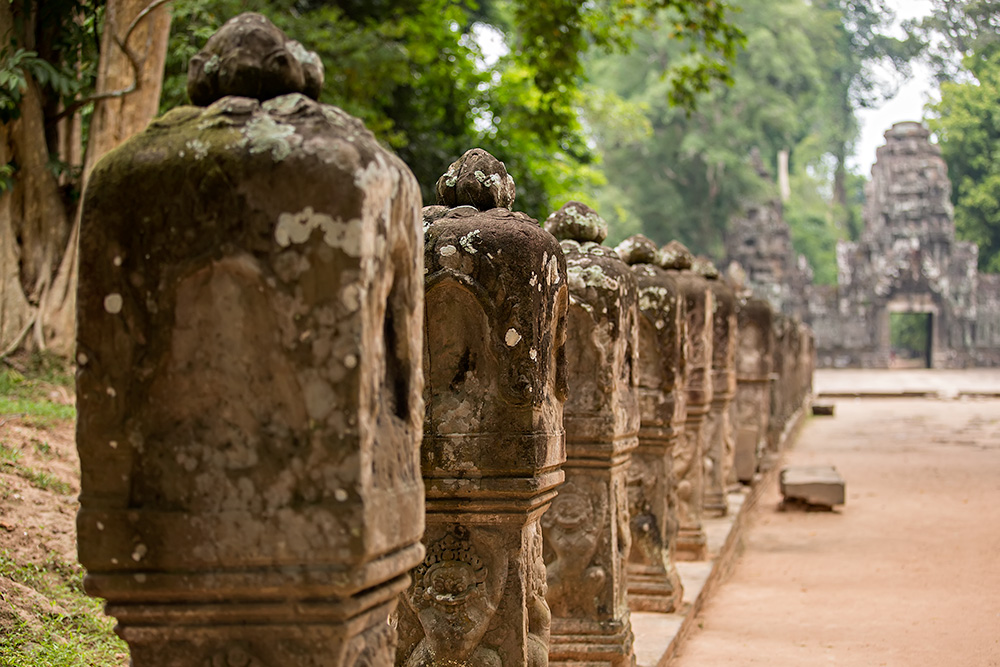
[{"x": 907, "y": 260}]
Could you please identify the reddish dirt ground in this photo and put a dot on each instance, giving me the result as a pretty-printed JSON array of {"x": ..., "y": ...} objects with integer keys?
[{"x": 905, "y": 574}]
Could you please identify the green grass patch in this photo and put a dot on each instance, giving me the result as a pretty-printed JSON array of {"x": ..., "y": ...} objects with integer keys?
[
  {"x": 27, "y": 394},
  {"x": 79, "y": 635},
  {"x": 10, "y": 462}
]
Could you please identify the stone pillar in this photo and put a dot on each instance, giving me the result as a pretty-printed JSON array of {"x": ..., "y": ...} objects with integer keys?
[
  {"x": 781, "y": 328},
  {"x": 753, "y": 383},
  {"x": 720, "y": 423},
  {"x": 250, "y": 384},
  {"x": 653, "y": 582},
  {"x": 699, "y": 304},
  {"x": 496, "y": 302},
  {"x": 586, "y": 531}
]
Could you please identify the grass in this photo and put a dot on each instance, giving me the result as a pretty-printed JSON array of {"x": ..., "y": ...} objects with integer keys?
[
  {"x": 10, "y": 462},
  {"x": 74, "y": 632},
  {"x": 25, "y": 392}
]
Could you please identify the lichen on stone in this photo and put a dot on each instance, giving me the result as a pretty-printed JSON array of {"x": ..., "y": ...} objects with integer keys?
[
  {"x": 675, "y": 256},
  {"x": 296, "y": 228},
  {"x": 578, "y": 222}
]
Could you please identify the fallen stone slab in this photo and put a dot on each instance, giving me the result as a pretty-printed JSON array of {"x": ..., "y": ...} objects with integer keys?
[{"x": 812, "y": 485}]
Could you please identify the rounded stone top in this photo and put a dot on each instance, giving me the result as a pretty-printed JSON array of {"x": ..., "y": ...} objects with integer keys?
[
  {"x": 577, "y": 222},
  {"x": 476, "y": 179},
  {"x": 638, "y": 249},
  {"x": 736, "y": 275},
  {"x": 675, "y": 256},
  {"x": 250, "y": 57},
  {"x": 703, "y": 266},
  {"x": 907, "y": 129}
]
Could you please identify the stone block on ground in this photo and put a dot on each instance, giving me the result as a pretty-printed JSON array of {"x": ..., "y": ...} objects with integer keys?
[
  {"x": 812, "y": 485},
  {"x": 745, "y": 461}
]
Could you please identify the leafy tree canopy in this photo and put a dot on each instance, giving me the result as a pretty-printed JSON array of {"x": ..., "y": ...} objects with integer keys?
[
  {"x": 967, "y": 124},
  {"x": 414, "y": 71}
]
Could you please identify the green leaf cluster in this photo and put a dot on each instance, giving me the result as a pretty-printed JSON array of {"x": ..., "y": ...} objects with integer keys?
[
  {"x": 967, "y": 124},
  {"x": 415, "y": 72}
]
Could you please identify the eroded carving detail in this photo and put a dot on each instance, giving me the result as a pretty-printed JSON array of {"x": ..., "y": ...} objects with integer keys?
[{"x": 653, "y": 582}]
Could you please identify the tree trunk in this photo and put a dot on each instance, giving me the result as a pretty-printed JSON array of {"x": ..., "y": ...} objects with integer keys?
[
  {"x": 33, "y": 220},
  {"x": 784, "y": 186},
  {"x": 114, "y": 120},
  {"x": 117, "y": 119}
]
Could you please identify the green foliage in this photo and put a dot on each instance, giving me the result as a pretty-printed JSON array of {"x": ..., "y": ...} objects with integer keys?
[
  {"x": 72, "y": 631},
  {"x": 28, "y": 394},
  {"x": 56, "y": 51},
  {"x": 10, "y": 462},
  {"x": 909, "y": 334},
  {"x": 693, "y": 174},
  {"x": 413, "y": 71},
  {"x": 955, "y": 30},
  {"x": 967, "y": 124}
]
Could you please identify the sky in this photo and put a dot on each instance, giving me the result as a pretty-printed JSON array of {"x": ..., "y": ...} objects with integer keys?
[{"x": 908, "y": 103}]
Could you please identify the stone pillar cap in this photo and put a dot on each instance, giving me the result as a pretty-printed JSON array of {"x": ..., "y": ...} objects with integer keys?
[
  {"x": 675, "y": 256},
  {"x": 576, "y": 221},
  {"x": 703, "y": 266},
  {"x": 638, "y": 249},
  {"x": 250, "y": 57},
  {"x": 476, "y": 179}
]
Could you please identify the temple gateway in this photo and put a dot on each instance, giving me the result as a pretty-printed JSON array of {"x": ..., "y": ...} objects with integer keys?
[{"x": 907, "y": 269}]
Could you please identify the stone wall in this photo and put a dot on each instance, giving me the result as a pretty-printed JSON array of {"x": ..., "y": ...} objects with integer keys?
[
  {"x": 313, "y": 436},
  {"x": 906, "y": 261}
]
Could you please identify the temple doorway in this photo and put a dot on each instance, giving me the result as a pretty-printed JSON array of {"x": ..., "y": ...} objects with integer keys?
[{"x": 910, "y": 339}]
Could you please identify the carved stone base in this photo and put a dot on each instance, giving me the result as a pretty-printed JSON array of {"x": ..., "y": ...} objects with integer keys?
[
  {"x": 479, "y": 596},
  {"x": 297, "y": 634},
  {"x": 689, "y": 471},
  {"x": 652, "y": 588},
  {"x": 719, "y": 444},
  {"x": 583, "y": 644},
  {"x": 715, "y": 504},
  {"x": 692, "y": 544}
]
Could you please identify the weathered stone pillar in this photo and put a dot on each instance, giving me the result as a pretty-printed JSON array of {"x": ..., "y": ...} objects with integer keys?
[
  {"x": 720, "y": 422},
  {"x": 496, "y": 302},
  {"x": 653, "y": 582},
  {"x": 250, "y": 387},
  {"x": 780, "y": 394},
  {"x": 753, "y": 383},
  {"x": 586, "y": 531},
  {"x": 699, "y": 303}
]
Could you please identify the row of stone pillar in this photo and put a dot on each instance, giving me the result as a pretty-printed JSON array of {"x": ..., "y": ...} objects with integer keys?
[{"x": 297, "y": 407}]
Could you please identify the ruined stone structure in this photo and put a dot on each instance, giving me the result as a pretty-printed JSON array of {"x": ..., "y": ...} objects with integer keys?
[
  {"x": 792, "y": 367},
  {"x": 653, "y": 582},
  {"x": 586, "y": 531},
  {"x": 760, "y": 242},
  {"x": 908, "y": 260},
  {"x": 250, "y": 389},
  {"x": 496, "y": 304},
  {"x": 689, "y": 453},
  {"x": 754, "y": 358},
  {"x": 282, "y": 384},
  {"x": 721, "y": 419}
]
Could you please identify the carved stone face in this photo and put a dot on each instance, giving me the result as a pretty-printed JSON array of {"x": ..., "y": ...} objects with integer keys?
[{"x": 453, "y": 596}]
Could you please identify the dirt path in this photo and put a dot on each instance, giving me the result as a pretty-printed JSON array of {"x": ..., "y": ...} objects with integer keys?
[{"x": 906, "y": 574}]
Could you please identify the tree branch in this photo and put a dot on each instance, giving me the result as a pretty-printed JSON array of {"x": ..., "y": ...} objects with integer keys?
[{"x": 133, "y": 60}]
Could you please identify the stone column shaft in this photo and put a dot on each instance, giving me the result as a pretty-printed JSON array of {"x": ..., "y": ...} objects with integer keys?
[
  {"x": 586, "y": 531},
  {"x": 496, "y": 301},
  {"x": 653, "y": 581},
  {"x": 250, "y": 386},
  {"x": 689, "y": 457},
  {"x": 719, "y": 425}
]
